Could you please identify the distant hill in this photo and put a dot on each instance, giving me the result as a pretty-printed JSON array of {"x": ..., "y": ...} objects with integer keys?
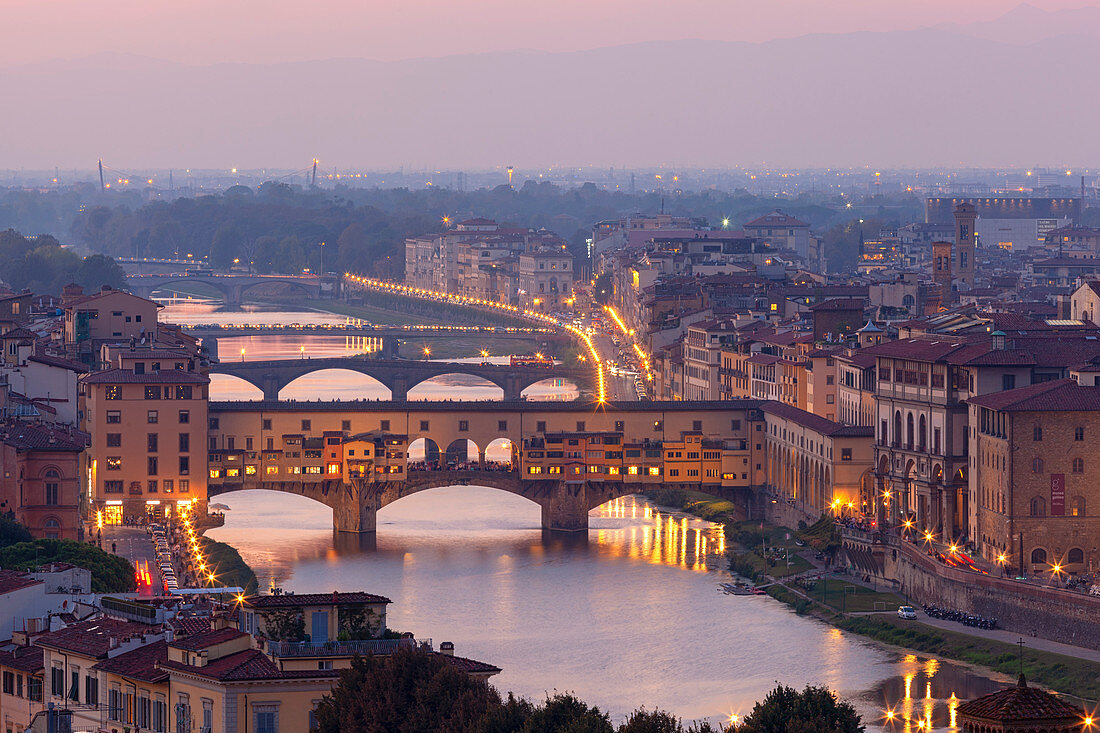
[{"x": 914, "y": 98}]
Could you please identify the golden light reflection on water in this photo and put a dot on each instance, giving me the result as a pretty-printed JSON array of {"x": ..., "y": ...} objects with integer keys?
[
  {"x": 928, "y": 696},
  {"x": 661, "y": 538}
]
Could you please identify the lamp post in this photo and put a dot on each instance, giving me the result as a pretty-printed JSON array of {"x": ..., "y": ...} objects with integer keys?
[{"x": 322, "y": 268}]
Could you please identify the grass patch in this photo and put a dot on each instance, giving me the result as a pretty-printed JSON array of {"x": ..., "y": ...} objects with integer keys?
[
  {"x": 1058, "y": 672},
  {"x": 849, "y": 597}
]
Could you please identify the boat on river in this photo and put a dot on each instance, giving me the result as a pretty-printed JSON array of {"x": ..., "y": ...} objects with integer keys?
[{"x": 739, "y": 589}]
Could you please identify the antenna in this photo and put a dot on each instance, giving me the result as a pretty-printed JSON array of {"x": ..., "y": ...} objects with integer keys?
[{"x": 102, "y": 186}]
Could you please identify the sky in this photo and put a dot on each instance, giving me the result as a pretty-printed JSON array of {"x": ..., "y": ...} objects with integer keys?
[{"x": 269, "y": 31}]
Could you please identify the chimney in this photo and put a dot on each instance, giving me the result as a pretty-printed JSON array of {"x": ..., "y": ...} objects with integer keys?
[{"x": 447, "y": 647}]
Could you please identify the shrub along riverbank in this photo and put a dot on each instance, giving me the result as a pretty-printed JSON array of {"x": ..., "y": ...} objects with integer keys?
[{"x": 230, "y": 567}]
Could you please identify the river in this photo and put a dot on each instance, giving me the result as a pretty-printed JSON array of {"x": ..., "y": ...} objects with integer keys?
[{"x": 628, "y": 615}]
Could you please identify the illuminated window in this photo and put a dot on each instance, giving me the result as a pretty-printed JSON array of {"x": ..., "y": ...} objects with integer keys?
[
  {"x": 775, "y": 306},
  {"x": 654, "y": 471},
  {"x": 112, "y": 392},
  {"x": 271, "y": 470},
  {"x": 312, "y": 469},
  {"x": 613, "y": 470},
  {"x": 534, "y": 469},
  {"x": 114, "y": 463},
  {"x": 232, "y": 472},
  {"x": 250, "y": 470},
  {"x": 333, "y": 468},
  {"x": 594, "y": 469},
  {"x": 294, "y": 469},
  {"x": 632, "y": 470},
  {"x": 215, "y": 473},
  {"x": 554, "y": 469}
]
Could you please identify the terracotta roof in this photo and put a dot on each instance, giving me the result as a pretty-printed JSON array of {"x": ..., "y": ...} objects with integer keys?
[
  {"x": 42, "y": 436},
  {"x": 469, "y": 666},
  {"x": 93, "y": 638},
  {"x": 313, "y": 599},
  {"x": 58, "y": 361},
  {"x": 251, "y": 664},
  {"x": 207, "y": 639},
  {"x": 19, "y": 333},
  {"x": 127, "y": 376},
  {"x": 1064, "y": 395},
  {"x": 23, "y": 658},
  {"x": 860, "y": 359},
  {"x": 776, "y": 219},
  {"x": 13, "y": 580},
  {"x": 1021, "y": 703},
  {"x": 817, "y": 423},
  {"x": 191, "y": 625},
  {"x": 839, "y": 304},
  {"x": 143, "y": 663}
]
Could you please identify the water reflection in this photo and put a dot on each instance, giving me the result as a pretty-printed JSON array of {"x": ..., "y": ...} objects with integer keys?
[
  {"x": 926, "y": 693},
  {"x": 627, "y": 614}
]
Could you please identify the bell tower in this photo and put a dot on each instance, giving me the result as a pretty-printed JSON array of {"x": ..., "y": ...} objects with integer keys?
[
  {"x": 943, "y": 269},
  {"x": 965, "y": 243}
]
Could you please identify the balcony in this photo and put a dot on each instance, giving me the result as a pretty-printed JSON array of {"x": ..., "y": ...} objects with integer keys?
[{"x": 286, "y": 649}]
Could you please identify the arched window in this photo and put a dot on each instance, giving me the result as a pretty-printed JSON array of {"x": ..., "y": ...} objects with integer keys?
[
  {"x": 53, "y": 484},
  {"x": 909, "y": 430},
  {"x": 923, "y": 433},
  {"x": 908, "y": 300},
  {"x": 1075, "y": 555},
  {"x": 1038, "y": 507},
  {"x": 53, "y": 529},
  {"x": 1077, "y": 506},
  {"x": 1038, "y": 556},
  {"x": 1078, "y": 465},
  {"x": 1037, "y": 465},
  {"x": 897, "y": 426}
]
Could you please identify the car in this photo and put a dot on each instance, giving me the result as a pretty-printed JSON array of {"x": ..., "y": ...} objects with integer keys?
[{"x": 907, "y": 612}]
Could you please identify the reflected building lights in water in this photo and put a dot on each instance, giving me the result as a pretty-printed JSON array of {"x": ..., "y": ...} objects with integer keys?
[{"x": 663, "y": 539}]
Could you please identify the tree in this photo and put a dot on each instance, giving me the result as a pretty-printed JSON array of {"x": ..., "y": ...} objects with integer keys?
[
  {"x": 658, "y": 721},
  {"x": 603, "y": 290},
  {"x": 95, "y": 271},
  {"x": 110, "y": 573},
  {"x": 565, "y": 713},
  {"x": 412, "y": 692},
  {"x": 814, "y": 710},
  {"x": 12, "y": 532}
]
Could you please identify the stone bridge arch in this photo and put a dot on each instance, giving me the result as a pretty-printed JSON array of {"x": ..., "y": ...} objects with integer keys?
[{"x": 398, "y": 376}]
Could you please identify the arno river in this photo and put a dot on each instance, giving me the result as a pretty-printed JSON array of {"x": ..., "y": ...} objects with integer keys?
[{"x": 627, "y": 616}]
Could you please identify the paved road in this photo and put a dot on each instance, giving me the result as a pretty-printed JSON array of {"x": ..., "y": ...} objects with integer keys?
[
  {"x": 619, "y": 388},
  {"x": 135, "y": 544}
]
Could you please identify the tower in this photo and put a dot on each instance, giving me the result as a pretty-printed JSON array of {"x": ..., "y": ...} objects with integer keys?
[
  {"x": 942, "y": 269},
  {"x": 965, "y": 218}
]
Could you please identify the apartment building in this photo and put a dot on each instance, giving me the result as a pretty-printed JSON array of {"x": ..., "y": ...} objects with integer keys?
[
  {"x": 148, "y": 425},
  {"x": 1033, "y": 479}
]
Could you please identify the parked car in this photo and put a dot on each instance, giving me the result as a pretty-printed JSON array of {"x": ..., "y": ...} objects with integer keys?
[{"x": 907, "y": 612}]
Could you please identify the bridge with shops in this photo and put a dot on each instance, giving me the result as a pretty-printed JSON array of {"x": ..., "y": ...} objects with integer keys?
[
  {"x": 569, "y": 458},
  {"x": 399, "y": 376}
]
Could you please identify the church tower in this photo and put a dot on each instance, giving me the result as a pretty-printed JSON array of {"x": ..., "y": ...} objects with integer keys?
[{"x": 965, "y": 243}]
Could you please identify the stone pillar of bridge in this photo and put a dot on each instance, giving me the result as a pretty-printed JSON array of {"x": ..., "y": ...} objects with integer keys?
[
  {"x": 356, "y": 509},
  {"x": 566, "y": 508},
  {"x": 233, "y": 294},
  {"x": 271, "y": 387},
  {"x": 211, "y": 345},
  {"x": 390, "y": 346},
  {"x": 512, "y": 387},
  {"x": 399, "y": 388}
]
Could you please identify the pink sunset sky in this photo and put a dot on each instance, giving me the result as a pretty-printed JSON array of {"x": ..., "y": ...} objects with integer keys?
[{"x": 265, "y": 31}]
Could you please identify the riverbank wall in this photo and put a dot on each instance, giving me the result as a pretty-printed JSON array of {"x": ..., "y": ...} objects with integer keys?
[{"x": 1028, "y": 609}]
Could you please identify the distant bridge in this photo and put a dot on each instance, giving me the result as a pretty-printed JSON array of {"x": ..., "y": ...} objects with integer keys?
[
  {"x": 387, "y": 336},
  {"x": 232, "y": 287},
  {"x": 398, "y": 375}
]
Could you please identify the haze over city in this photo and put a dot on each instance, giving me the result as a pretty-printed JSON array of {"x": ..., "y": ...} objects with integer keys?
[{"x": 483, "y": 84}]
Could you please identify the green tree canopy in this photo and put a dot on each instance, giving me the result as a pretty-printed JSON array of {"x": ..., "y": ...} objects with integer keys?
[
  {"x": 110, "y": 573},
  {"x": 814, "y": 710}
]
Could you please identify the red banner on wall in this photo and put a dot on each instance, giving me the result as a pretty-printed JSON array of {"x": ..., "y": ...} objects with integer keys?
[{"x": 1058, "y": 494}]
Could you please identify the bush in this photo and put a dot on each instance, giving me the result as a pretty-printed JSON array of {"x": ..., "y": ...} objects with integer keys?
[
  {"x": 12, "y": 532},
  {"x": 110, "y": 573}
]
